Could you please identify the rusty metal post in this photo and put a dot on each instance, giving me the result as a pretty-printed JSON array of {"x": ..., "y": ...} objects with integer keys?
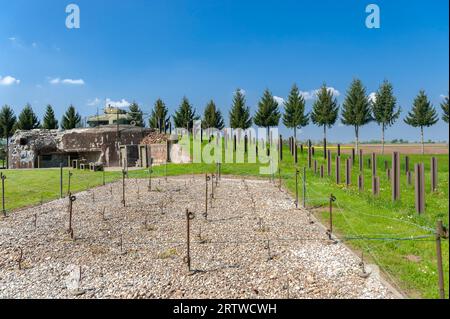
[
  {"x": 279, "y": 178},
  {"x": 69, "y": 182},
  {"x": 207, "y": 178},
  {"x": 187, "y": 260},
  {"x": 395, "y": 176},
  {"x": 103, "y": 176},
  {"x": 329, "y": 160},
  {"x": 123, "y": 188},
  {"x": 296, "y": 187},
  {"x": 60, "y": 180},
  {"x": 440, "y": 233},
  {"x": 3, "y": 177},
  {"x": 420, "y": 188},
  {"x": 338, "y": 169},
  {"x": 309, "y": 154},
  {"x": 330, "y": 230},
  {"x": 72, "y": 199},
  {"x": 304, "y": 187},
  {"x": 150, "y": 172},
  {"x": 434, "y": 174},
  {"x": 212, "y": 186},
  {"x": 348, "y": 172},
  {"x": 280, "y": 147}
]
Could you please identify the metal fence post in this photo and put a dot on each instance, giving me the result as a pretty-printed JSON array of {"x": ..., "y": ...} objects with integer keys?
[
  {"x": 187, "y": 260},
  {"x": 123, "y": 188},
  {"x": 330, "y": 230},
  {"x": 304, "y": 187},
  {"x": 60, "y": 180},
  {"x": 440, "y": 233},
  {"x": 296, "y": 187},
  {"x": 3, "y": 177}
]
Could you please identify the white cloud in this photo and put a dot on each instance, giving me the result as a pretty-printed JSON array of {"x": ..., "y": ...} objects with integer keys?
[
  {"x": 120, "y": 104},
  {"x": 94, "y": 102},
  {"x": 67, "y": 81},
  {"x": 373, "y": 97},
  {"x": 8, "y": 80},
  {"x": 311, "y": 95},
  {"x": 279, "y": 100},
  {"x": 443, "y": 96}
]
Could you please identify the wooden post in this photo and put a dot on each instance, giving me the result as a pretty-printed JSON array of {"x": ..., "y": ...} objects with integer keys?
[
  {"x": 329, "y": 159},
  {"x": 361, "y": 182},
  {"x": 295, "y": 153},
  {"x": 375, "y": 185},
  {"x": 420, "y": 188},
  {"x": 434, "y": 174},
  {"x": 280, "y": 148},
  {"x": 409, "y": 177},
  {"x": 395, "y": 176},
  {"x": 315, "y": 166},
  {"x": 374, "y": 164},
  {"x": 321, "y": 171},
  {"x": 339, "y": 150},
  {"x": 361, "y": 160},
  {"x": 348, "y": 172},
  {"x": 406, "y": 164}
]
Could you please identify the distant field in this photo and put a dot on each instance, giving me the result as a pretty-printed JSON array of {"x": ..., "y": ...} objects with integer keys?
[{"x": 390, "y": 148}]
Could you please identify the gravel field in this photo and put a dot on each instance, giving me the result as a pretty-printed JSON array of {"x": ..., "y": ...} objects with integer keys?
[{"x": 254, "y": 244}]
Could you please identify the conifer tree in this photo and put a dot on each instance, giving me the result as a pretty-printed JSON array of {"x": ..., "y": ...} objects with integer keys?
[
  {"x": 240, "y": 113},
  {"x": 159, "y": 119},
  {"x": 356, "y": 109},
  {"x": 50, "y": 122},
  {"x": 325, "y": 112},
  {"x": 71, "y": 119},
  {"x": 185, "y": 115},
  {"x": 384, "y": 109},
  {"x": 136, "y": 114},
  {"x": 7, "y": 123},
  {"x": 268, "y": 114},
  {"x": 423, "y": 114},
  {"x": 27, "y": 119},
  {"x": 212, "y": 117},
  {"x": 294, "y": 111},
  {"x": 444, "y": 106}
]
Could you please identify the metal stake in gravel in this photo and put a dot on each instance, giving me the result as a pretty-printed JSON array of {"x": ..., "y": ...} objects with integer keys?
[
  {"x": 123, "y": 188},
  {"x": 20, "y": 258},
  {"x": 207, "y": 178},
  {"x": 296, "y": 187},
  {"x": 72, "y": 199},
  {"x": 304, "y": 187},
  {"x": 420, "y": 188},
  {"x": 280, "y": 147},
  {"x": 60, "y": 180},
  {"x": 3, "y": 177},
  {"x": 440, "y": 233},
  {"x": 395, "y": 176},
  {"x": 69, "y": 180},
  {"x": 103, "y": 177},
  {"x": 267, "y": 247},
  {"x": 279, "y": 178},
  {"x": 434, "y": 174},
  {"x": 330, "y": 230},
  {"x": 187, "y": 260}
]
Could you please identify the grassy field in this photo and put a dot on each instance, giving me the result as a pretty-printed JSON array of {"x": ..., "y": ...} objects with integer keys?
[{"x": 390, "y": 234}]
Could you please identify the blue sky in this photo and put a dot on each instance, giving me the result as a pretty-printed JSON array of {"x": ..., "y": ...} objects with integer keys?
[{"x": 143, "y": 50}]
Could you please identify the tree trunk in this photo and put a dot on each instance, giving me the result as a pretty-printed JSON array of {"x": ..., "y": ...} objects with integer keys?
[
  {"x": 382, "y": 139},
  {"x": 421, "y": 139},
  {"x": 295, "y": 134},
  {"x": 325, "y": 142},
  {"x": 357, "y": 139}
]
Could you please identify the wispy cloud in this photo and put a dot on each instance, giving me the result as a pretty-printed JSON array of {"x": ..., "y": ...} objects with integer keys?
[
  {"x": 311, "y": 95},
  {"x": 120, "y": 104},
  {"x": 12, "y": 39},
  {"x": 94, "y": 102},
  {"x": 443, "y": 96},
  {"x": 66, "y": 81},
  {"x": 8, "y": 80},
  {"x": 279, "y": 100}
]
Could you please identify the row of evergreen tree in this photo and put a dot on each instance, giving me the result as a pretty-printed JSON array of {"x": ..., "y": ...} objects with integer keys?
[{"x": 358, "y": 109}]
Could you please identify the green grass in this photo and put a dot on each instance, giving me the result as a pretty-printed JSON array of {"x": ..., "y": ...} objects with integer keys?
[{"x": 355, "y": 214}]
